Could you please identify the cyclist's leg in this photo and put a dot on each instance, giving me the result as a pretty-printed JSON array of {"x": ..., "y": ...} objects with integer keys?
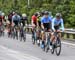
[
  {"x": 23, "y": 23},
  {"x": 39, "y": 23},
  {"x": 59, "y": 34},
  {"x": 43, "y": 37}
]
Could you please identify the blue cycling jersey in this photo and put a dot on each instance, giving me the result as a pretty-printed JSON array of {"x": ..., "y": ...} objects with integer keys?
[
  {"x": 45, "y": 20},
  {"x": 16, "y": 18},
  {"x": 56, "y": 22}
]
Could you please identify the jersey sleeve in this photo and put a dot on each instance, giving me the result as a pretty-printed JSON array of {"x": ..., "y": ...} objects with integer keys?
[
  {"x": 53, "y": 24},
  {"x": 50, "y": 19},
  {"x": 62, "y": 25},
  {"x": 33, "y": 18},
  {"x": 42, "y": 21},
  {"x": 19, "y": 18}
]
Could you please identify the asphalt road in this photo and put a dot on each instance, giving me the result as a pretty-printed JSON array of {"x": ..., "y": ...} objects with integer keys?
[{"x": 12, "y": 49}]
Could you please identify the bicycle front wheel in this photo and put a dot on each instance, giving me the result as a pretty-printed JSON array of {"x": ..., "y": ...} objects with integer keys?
[{"x": 58, "y": 47}]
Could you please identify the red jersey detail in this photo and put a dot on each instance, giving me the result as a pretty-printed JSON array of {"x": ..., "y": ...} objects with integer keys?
[{"x": 34, "y": 19}]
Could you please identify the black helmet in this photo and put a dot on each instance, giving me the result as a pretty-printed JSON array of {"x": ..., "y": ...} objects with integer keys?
[
  {"x": 46, "y": 13},
  {"x": 36, "y": 14}
]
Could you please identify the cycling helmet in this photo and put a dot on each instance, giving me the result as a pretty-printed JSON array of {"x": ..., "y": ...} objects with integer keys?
[
  {"x": 46, "y": 13},
  {"x": 36, "y": 14},
  {"x": 42, "y": 13},
  {"x": 23, "y": 15},
  {"x": 58, "y": 14},
  {"x": 3, "y": 14}
]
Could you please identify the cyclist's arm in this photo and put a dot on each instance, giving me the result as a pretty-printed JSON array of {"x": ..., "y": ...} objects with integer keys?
[
  {"x": 62, "y": 25},
  {"x": 42, "y": 23},
  {"x": 19, "y": 19},
  {"x": 12, "y": 19},
  {"x": 53, "y": 25}
]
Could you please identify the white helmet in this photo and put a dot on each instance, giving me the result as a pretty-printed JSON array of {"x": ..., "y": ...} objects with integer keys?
[
  {"x": 13, "y": 12},
  {"x": 24, "y": 15},
  {"x": 3, "y": 14}
]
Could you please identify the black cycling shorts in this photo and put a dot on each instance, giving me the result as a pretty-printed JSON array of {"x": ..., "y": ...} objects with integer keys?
[
  {"x": 16, "y": 23},
  {"x": 39, "y": 23},
  {"x": 47, "y": 26},
  {"x": 56, "y": 27}
]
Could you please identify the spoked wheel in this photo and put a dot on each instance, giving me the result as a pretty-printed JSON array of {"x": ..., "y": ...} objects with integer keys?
[
  {"x": 13, "y": 35},
  {"x": 47, "y": 48},
  {"x": 0, "y": 33},
  {"x": 38, "y": 42},
  {"x": 3, "y": 33},
  {"x": 44, "y": 48},
  {"x": 20, "y": 38},
  {"x": 24, "y": 38},
  {"x": 48, "y": 44},
  {"x": 43, "y": 45},
  {"x": 16, "y": 35},
  {"x": 52, "y": 50},
  {"x": 9, "y": 34},
  {"x": 58, "y": 47},
  {"x": 34, "y": 39}
]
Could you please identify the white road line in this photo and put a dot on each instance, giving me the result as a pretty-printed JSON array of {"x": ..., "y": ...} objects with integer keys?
[
  {"x": 68, "y": 43},
  {"x": 18, "y": 55}
]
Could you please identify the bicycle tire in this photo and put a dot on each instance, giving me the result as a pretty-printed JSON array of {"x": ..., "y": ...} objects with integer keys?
[
  {"x": 52, "y": 50},
  {"x": 58, "y": 44}
]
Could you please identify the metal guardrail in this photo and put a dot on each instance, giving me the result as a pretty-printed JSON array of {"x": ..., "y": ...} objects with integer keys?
[
  {"x": 67, "y": 34},
  {"x": 72, "y": 30}
]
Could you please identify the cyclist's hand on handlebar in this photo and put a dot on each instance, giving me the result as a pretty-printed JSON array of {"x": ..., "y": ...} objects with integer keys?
[{"x": 58, "y": 31}]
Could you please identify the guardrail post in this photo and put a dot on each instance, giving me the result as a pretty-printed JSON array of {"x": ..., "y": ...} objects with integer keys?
[
  {"x": 67, "y": 35},
  {"x": 62, "y": 34},
  {"x": 73, "y": 36}
]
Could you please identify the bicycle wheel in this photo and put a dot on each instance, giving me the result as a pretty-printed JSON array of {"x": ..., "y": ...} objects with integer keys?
[
  {"x": 58, "y": 46},
  {"x": 24, "y": 37},
  {"x": 0, "y": 34},
  {"x": 34, "y": 38},
  {"x": 53, "y": 48},
  {"x": 17, "y": 35},
  {"x": 44, "y": 46},
  {"x": 38, "y": 42},
  {"x": 47, "y": 44},
  {"x": 13, "y": 35}
]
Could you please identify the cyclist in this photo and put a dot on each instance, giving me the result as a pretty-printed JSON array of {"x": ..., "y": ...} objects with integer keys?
[
  {"x": 34, "y": 23},
  {"x": 34, "y": 20},
  {"x": 40, "y": 15},
  {"x": 1, "y": 17},
  {"x": 45, "y": 24},
  {"x": 57, "y": 25},
  {"x": 16, "y": 19},
  {"x": 24, "y": 19},
  {"x": 1, "y": 21},
  {"x": 10, "y": 18}
]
